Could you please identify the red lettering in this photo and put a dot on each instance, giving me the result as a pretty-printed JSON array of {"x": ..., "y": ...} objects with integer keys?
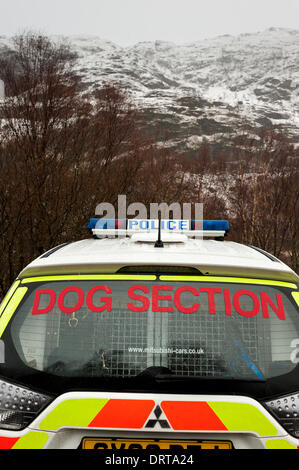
[
  {"x": 140, "y": 298},
  {"x": 227, "y": 302},
  {"x": 41, "y": 311},
  {"x": 279, "y": 309},
  {"x": 78, "y": 305},
  {"x": 211, "y": 291},
  {"x": 157, "y": 297},
  {"x": 107, "y": 300},
  {"x": 256, "y": 303},
  {"x": 177, "y": 299},
  {"x": 161, "y": 293}
]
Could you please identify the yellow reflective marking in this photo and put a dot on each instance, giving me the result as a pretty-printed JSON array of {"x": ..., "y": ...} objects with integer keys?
[
  {"x": 243, "y": 417},
  {"x": 296, "y": 297},
  {"x": 279, "y": 444},
  {"x": 32, "y": 440},
  {"x": 91, "y": 277},
  {"x": 8, "y": 296},
  {"x": 238, "y": 280},
  {"x": 76, "y": 412},
  {"x": 11, "y": 308}
]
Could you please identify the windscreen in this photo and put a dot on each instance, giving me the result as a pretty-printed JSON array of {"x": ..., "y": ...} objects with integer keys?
[{"x": 121, "y": 328}]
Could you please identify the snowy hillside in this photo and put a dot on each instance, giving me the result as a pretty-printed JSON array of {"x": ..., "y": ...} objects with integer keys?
[{"x": 212, "y": 87}]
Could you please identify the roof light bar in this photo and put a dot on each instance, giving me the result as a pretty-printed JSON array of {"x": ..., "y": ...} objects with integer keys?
[
  {"x": 105, "y": 224},
  {"x": 210, "y": 225},
  {"x": 126, "y": 227}
]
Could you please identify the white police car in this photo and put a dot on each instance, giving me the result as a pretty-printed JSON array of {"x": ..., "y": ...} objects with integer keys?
[{"x": 151, "y": 341}]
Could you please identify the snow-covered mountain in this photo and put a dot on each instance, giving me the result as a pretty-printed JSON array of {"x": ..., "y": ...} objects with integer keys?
[{"x": 208, "y": 88}]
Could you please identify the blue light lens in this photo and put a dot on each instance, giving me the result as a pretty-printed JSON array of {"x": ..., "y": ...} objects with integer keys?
[
  {"x": 210, "y": 225},
  {"x": 107, "y": 224}
]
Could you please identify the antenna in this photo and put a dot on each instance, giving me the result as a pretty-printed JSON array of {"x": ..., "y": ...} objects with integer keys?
[
  {"x": 2, "y": 90},
  {"x": 159, "y": 243}
]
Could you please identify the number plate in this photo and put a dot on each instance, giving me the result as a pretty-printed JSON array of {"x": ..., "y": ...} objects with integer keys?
[{"x": 152, "y": 444}]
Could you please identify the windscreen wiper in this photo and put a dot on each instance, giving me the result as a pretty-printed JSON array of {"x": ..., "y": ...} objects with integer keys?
[{"x": 198, "y": 378}]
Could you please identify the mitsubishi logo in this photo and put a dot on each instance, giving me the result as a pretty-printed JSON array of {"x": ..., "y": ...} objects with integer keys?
[{"x": 157, "y": 419}]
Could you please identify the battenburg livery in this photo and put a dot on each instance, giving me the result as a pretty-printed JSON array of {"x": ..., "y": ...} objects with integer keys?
[{"x": 151, "y": 335}]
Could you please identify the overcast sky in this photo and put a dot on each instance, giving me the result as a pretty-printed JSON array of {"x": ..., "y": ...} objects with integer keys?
[{"x": 126, "y": 22}]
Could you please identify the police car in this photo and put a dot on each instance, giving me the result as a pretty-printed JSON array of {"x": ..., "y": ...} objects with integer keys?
[{"x": 162, "y": 337}]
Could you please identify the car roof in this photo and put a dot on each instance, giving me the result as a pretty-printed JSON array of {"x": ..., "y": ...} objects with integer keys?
[{"x": 109, "y": 255}]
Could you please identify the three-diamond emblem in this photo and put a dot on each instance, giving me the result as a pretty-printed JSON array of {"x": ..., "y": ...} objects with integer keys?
[{"x": 157, "y": 419}]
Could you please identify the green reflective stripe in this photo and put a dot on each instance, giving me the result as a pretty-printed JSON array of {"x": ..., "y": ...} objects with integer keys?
[
  {"x": 75, "y": 412},
  {"x": 11, "y": 308},
  {"x": 279, "y": 444},
  {"x": 296, "y": 297},
  {"x": 8, "y": 296},
  {"x": 32, "y": 440},
  {"x": 238, "y": 280},
  {"x": 243, "y": 417},
  {"x": 91, "y": 277}
]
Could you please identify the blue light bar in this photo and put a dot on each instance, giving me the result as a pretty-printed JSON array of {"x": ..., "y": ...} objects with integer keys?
[
  {"x": 107, "y": 224},
  {"x": 121, "y": 224},
  {"x": 210, "y": 225}
]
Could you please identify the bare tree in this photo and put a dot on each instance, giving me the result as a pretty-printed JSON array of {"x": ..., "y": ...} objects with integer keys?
[
  {"x": 39, "y": 183},
  {"x": 264, "y": 196}
]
